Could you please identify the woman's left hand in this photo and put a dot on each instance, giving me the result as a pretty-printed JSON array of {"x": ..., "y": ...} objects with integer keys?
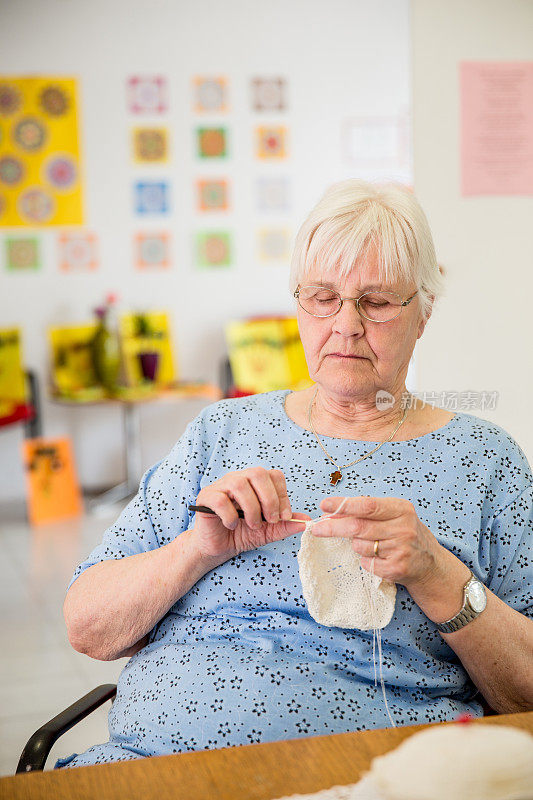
[{"x": 408, "y": 553}]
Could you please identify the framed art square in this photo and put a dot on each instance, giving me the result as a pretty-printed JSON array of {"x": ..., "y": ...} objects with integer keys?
[
  {"x": 272, "y": 194},
  {"x": 77, "y": 252},
  {"x": 22, "y": 253},
  {"x": 210, "y": 95},
  {"x": 274, "y": 244},
  {"x": 212, "y": 195},
  {"x": 271, "y": 142},
  {"x": 211, "y": 142},
  {"x": 151, "y": 197},
  {"x": 147, "y": 94},
  {"x": 152, "y": 250},
  {"x": 269, "y": 94},
  {"x": 213, "y": 249},
  {"x": 150, "y": 145}
]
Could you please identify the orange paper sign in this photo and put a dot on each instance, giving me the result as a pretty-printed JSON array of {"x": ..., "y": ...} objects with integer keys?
[{"x": 53, "y": 492}]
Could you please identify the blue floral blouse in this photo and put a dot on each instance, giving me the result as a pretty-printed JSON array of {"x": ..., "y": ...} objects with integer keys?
[{"x": 239, "y": 659}]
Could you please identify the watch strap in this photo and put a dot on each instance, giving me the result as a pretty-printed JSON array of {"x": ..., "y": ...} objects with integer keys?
[{"x": 465, "y": 615}]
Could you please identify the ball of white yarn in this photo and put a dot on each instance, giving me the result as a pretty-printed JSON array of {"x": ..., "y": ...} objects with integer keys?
[{"x": 463, "y": 762}]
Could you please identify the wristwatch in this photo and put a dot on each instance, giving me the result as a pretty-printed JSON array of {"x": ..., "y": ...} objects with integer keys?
[{"x": 474, "y": 602}]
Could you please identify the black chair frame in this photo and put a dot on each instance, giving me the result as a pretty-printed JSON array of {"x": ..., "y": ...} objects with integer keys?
[{"x": 38, "y": 747}]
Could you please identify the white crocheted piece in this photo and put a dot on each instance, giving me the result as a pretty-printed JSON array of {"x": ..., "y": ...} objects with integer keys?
[
  {"x": 340, "y": 593},
  {"x": 336, "y": 588}
]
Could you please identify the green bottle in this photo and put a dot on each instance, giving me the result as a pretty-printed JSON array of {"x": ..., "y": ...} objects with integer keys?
[{"x": 106, "y": 352}]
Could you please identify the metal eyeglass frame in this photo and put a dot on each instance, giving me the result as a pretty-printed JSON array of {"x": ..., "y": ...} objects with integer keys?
[{"x": 357, "y": 301}]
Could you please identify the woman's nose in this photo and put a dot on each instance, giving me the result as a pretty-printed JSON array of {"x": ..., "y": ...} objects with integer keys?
[{"x": 348, "y": 320}]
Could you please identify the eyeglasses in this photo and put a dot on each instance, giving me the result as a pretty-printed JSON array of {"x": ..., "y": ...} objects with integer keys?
[{"x": 320, "y": 301}]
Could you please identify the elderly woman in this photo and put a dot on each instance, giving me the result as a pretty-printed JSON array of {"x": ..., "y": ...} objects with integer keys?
[{"x": 209, "y": 607}]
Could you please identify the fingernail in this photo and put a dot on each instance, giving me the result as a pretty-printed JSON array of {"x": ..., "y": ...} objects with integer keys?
[{"x": 286, "y": 514}]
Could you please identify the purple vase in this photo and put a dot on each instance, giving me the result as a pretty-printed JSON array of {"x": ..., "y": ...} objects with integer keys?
[{"x": 149, "y": 364}]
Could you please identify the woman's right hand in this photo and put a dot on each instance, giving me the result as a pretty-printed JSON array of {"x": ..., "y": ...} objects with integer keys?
[{"x": 256, "y": 491}]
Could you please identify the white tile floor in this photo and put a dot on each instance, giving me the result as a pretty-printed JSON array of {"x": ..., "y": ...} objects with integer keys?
[{"x": 40, "y": 673}]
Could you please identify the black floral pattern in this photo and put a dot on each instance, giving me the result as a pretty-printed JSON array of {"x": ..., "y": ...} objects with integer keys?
[{"x": 239, "y": 659}]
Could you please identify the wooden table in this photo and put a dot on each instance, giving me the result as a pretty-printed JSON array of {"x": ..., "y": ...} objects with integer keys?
[{"x": 250, "y": 772}]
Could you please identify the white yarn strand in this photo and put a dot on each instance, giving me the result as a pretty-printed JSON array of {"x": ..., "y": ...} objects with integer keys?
[{"x": 376, "y": 630}]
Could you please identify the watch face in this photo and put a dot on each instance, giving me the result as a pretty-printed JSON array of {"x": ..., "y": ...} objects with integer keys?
[{"x": 476, "y": 596}]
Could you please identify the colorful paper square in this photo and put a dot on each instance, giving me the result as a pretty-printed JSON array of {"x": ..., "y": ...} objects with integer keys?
[
  {"x": 212, "y": 195},
  {"x": 151, "y": 197},
  {"x": 212, "y": 142},
  {"x": 213, "y": 249},
  {"x": 22, "y": 253},
  {"x": 150, "y": 145},
  {"x": 77, "y": 252},
  {"x": 271, "y": 142},
  {"x": 152, "y": 250},
  {"x": 147, "y": 94},
  {"x": 210, "y": 95},
  {"x": 274, "y": 244},
  {"x": 272, "y": 194},
  {"x": 269, "y": 94}
]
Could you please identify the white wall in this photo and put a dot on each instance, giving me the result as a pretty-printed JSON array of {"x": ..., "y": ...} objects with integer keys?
[
  {"x": 342, "y": 58},
  {"x": 475, "y": 340}
]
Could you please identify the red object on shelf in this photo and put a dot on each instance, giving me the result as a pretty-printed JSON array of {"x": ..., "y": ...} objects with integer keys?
[
  {"x": 234, "y": 392},
  {"x": 20, "y": 414}
]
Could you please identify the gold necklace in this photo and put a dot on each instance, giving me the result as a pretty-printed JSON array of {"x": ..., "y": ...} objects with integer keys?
[{"x": 337, "y": 475}]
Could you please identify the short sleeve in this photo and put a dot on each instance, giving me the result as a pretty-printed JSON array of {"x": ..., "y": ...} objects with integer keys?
[
  {"x": 512, "y": 553},
  {"x": 159, "y": 511}
]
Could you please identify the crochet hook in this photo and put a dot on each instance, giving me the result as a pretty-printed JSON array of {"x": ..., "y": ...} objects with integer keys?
[{"x": 206, "y": 510}]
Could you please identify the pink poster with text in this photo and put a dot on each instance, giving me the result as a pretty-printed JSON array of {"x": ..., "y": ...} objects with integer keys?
[{"x": 496, "y": 128}]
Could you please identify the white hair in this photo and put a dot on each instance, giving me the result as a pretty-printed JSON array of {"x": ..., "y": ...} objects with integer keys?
[{"x": 352, "y": 216}]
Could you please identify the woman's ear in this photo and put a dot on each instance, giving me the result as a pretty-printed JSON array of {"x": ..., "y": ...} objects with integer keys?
[{"x": 423, "y": 322}]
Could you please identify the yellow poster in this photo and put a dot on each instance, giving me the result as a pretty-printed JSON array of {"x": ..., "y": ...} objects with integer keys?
[
  {"x": 267, "y": 354},
  {"x": 40, "y": 165},
  {"x": 147, "y": 348},
  {"x": 73, "y": 373},
  {"x": 12, "y": 380}
]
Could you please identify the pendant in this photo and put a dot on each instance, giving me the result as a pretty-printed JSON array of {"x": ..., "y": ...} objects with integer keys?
[{"x": 335, "y": 477}]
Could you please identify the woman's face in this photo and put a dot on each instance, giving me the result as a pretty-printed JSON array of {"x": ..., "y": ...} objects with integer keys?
[{"x": 383, "y": 349}]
